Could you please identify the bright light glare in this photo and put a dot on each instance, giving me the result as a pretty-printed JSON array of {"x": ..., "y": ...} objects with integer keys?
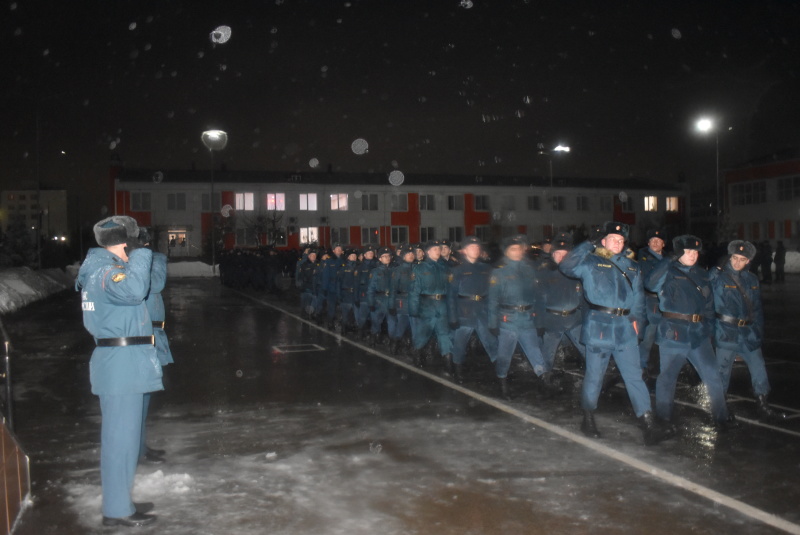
[
  {"x": 215, "y": 139},
  {"x": 561, "y": 148},
  {"x": 704, "y": 125}
]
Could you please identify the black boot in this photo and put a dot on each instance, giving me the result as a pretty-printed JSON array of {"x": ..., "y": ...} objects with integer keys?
[
  {"x": 362, "y": 333},
  {"x": 504, "y": 391},
  {"x": 766, "y": 413},
  {"x": 588, "y": 427},
  {"x": 549, "y": 385},
  {"x": 419, "y": 357},
  {"x": 448, "y": 364},
  {"x": 459, "y": 373},
  {"x": 653, "y": 431},
  {"x": 394, "y": 347}
]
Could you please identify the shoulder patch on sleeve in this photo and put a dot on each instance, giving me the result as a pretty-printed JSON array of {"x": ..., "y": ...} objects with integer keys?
[{"x": 118, "y": 277}]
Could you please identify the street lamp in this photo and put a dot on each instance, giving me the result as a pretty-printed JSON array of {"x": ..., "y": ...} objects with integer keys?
[
  {"x": 549, "y": 153},
  {"x": 213, "y": 140},
  {"x": 705, "y": 125}
]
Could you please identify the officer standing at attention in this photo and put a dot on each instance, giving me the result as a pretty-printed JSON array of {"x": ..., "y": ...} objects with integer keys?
[
  {"x": 648, "y": 258},
  {"x": 304, "y": 280},
  {"x": 330, "y": 271},
  {"x": 687, "y": 322},
  {"x": 401, "y": 280},
  {"x": 740, "y": 323},
  {"x": 114, "y": 281},
  {"x": 158, "y": 315},
  {"x": 347, "y": 289},
  {"x": 513, "y": 296},
  {"x": 562, "y": 303},
  {"x": 378, "y": 292},
  {"x": 427, "y": 304},
  {"x": 612, "y": 285},
  {"x": 467, "y": 301},
  {"x": 367, "y": 264}
]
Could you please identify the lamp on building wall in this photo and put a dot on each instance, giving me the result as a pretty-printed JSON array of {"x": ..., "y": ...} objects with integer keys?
[
  {"x": 549, "y": 153},
  {"x": 705, "y": 125},
  {"x": 213, "y": 140}
]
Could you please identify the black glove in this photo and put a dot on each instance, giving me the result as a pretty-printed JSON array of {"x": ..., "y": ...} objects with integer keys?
[
  {"x": 393, "y": 312},
  {"x": 131, "y": 245},
  {"x": 453, "y": 325},
  {"x": 723, "y": 261},
  {"x": 495, "y": 331}
]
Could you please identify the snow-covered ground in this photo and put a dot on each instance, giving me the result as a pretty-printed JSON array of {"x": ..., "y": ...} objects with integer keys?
[{"x": 22, "y": 286}]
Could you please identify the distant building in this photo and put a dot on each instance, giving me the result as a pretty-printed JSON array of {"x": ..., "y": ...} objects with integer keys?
[
  {"x": 45, "y": 210},
  {"x": 763, "y": 199},
  {"x": 253, "y": 208}
]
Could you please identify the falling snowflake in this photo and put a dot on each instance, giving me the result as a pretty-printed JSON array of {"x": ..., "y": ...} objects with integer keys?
[
  {"x": 221, "y": 35},
  {"x": 360, "y": 146}
]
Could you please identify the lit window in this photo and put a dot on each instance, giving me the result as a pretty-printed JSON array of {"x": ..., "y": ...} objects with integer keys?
[
  {"x": 309, "y": 234},
  {"x": 276, "y": 201},
  {"x": 672, "y": 204},
  {"x": 339, "y": 201},
  {"x": 244, "y": 202},
  {"x": 651, "y": 203},
  {"x": 308, "y": 201}
]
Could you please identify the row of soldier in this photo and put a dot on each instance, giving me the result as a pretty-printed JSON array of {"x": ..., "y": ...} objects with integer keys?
[{"x": 596, "y": 295}]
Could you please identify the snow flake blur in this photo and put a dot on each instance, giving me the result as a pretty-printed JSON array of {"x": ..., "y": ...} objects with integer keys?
[
  {"x": 221, "y": 35},
  {"x": 360, "y": 146}
]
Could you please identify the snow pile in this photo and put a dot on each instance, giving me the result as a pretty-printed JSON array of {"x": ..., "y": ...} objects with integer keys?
[
  {"x": 22, "y": 286},
  {"x": 189, "y": 269},
  {"x": 792, "y": 262}
]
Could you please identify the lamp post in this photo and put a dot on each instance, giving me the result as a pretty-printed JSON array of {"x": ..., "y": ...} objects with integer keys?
[
  {"x": 213, "y": 140},
  {"x": 704, "y": 126},
  {"x": 549, "y": 153}
]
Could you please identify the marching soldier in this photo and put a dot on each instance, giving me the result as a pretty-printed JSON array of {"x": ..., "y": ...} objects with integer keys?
[
  {"x": 613, "y": 288},
  {"x": 513, "y": 296},
  {"x": 378, "y": 292},
  {"x": 305, "y": 273},
  {"x": 428, "y": 306},
  {"x": 447, "y": 254},
  {"x": 401, "y": 280},
  {"x": 347, "y": 289},
  {"x": 740, "y": 323},
  {"x": 687, "y": 319},
  {"x": 329, "y": 291},
  {"x": 364, "y": 268},
  {"x": 467, "y": 301},
  {"x": 562, "y": 304},
  {"x": 648, "y": 258}
]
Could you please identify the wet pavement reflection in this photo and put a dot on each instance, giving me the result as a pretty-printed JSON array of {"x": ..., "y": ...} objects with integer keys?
[{"x": 275, "y": 425}]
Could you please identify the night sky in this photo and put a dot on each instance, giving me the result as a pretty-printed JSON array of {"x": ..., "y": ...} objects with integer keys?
[{"x": 442, "y": 86}]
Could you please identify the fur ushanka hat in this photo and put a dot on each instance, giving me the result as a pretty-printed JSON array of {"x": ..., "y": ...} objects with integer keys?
[
  {"x": 741, "y": 247},
  {"x": 115, "y": 230}
]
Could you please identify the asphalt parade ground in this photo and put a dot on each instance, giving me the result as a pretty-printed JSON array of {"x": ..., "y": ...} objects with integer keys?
[{"x": 273, "y": 424}]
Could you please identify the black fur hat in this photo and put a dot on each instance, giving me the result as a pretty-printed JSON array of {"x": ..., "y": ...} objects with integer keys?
[
  {"x": 687, "y": 241},
  {"x": 519, "y": 239},
  {"x": 431, "y": 243},
  {"x": 384, "y": 250},
  {"x": 562, "y": 242},
  {"x": 614, "y": 227},
  {"x": 115, "y": 230},
  {"x": 656, "y": 233},
  {"x": 741, "y": 247},
  {"x": 470, "y": 240},
  {"x": 144, "y": 236}
]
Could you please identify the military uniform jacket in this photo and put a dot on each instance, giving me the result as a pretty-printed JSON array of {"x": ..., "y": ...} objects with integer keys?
[
  {"x": 513, "y": 294},
  {"x": 380, "y": 281},
  {"x": 467, "y": 297},
  {"x": 364, "y": 269},
  {"x": 347, "y": 283},
  {"x": 647, "y": 261},
  {"x": 330, "y": 268},
  {"x": 682, "y": 290},
  {"x": 401, "y": 279},
  {"x": 428, "y": 278},
  {"x": 601, "y": 273},
  {"x": 304, "y": 275},
  {"x": 112, "y": 299},
  {"x": 559, "y": 294},
  {"x": 155, "y": 306},
  {"x": 728, "y": 301}
]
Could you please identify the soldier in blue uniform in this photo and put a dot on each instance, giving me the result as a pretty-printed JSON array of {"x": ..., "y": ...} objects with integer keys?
[
  {"x": 319, "y": 288},
  {"x": 155, "y": 307},
  {"x": 687, "y": 321},
  {"x": 467, "y": 301},
  {"x": 305, "y": 271},
  {"x": 367, "y": 264},
  {"x": 347, "y": 289},
  {"x": 427, "y": 303},
  {"x": 328, "y": 290},
  {"x": 561, "y": 314},
  {"x": 614, "y": 293},
  {"x": 740, "y": 323},
  {"x": 114, "y": 281},
  {"x": 401, "y": 280},
  {"x": 648, "y": 257},
  {"x": 513, "y": 296},
  {"x": 378, "y": 293},
  {"x": 447, "y": 254}
]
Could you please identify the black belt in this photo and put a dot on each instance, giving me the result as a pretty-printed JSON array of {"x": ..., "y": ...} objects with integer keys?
[
  {"x": 518, "y": 308},
  {"x": 733, "y": 321},
  {"x": 609, "y": 310},
  {"x": 650, "y": 294},
  {"x": 126, "y": 341},
  {"x": 383, "y": 293},
  {"x": 348, "y": 289},
  {"x": 400, "y": 293},
  {"x": 435, "y": 297},
  {"x": 159, "y": 325},
  {"x": 693, "y": 318},
  {"x": 472, "y": 297},
  {"x": 562, "y": 312}
]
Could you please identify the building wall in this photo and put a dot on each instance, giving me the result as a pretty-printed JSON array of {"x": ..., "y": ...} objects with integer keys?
[
  {"x": 490, "y": 211},
  {"x": 50, "y": 205}
]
